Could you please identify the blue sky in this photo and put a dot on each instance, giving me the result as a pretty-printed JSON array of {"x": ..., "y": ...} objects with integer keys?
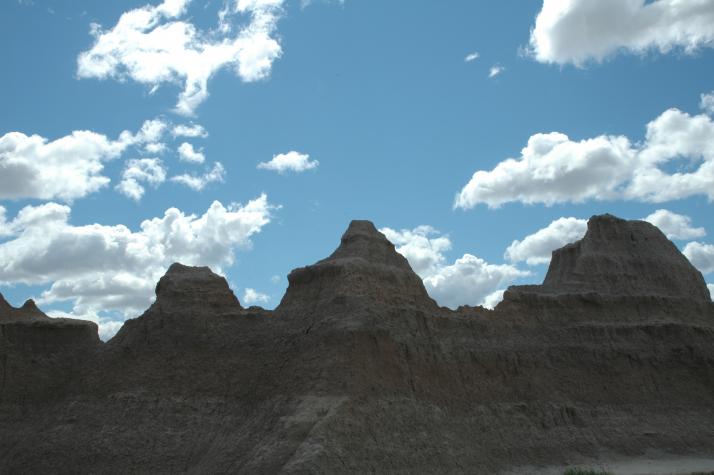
[{"x": 357, "y": 110}]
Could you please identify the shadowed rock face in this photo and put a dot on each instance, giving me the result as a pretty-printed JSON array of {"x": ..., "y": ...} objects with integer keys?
[
  {"x": 624, "y": 258},
  {"x": 359, "y": 371},
  {"x": 27, "y": 312},
  {"x": 364, "y": 271},
  {"x": 188, "y": 300},
  {"x": 624, "y": 271},
  {"x": 185, "y": 289},
  {"x": 40, "y": 356}
]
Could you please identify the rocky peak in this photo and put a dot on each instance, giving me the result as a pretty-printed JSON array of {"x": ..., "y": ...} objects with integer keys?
[
  {"x": 28, "y": 311},
  {"x": 622, "y": 258},
  {"x": 4, "y": 305},
  {"x": 30, "y": 307},
  {"x": 195, "y": 290},
  {"x": 363, "y": 241},
  {"x": 364, "y": 270}
]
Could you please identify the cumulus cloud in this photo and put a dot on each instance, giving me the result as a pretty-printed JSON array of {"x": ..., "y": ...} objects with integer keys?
[
  {"x": 422, "y": 246},
  {"x": 189, "y": 130},
  {"x": 66, "y": 168},
  {"x": 706, "y": 102},
  {"x": 537, "y": 248},
  {"x": 253, "y": 297},
  {"x": 578, "y": 31},
  {"x": 139, "y": 171},
  {"x": 711, "y": 290},
  {"x": 553, "y": 168},
  {"x": 471, "y": 57},
  {"x": 701, "y": 256},
  {"x": 468, "y": 281},
  {"x": 188, "y": 154},
  {"x": 154, "y": 46},
  {"x": 292, "y": 161},
  {"x": 493, "y": 298},
  {"x": 113, "y": 268},
  {"x": 675, "y": 226},
  {"x": 495, "y": 70},
  {"x": 155, "y": 148},
  {"x": 199, "y": 182}
]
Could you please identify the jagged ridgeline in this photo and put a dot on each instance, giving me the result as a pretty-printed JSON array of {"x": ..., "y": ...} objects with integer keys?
[{"x": 359, "y": 370}]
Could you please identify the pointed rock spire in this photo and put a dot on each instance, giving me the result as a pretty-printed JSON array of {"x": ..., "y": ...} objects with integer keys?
[
  {"x": 28, "y": 311},
  {"x": 363, "y": 241},
  {"x": 365, "y": 270}
]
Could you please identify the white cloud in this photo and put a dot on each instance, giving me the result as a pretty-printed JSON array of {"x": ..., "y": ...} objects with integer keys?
[
  {"x": 188, "y": 154},
  {"x": 493, "y": 299},
  {"x": 675, "y": 226},
  {"x": 112, "y": 268},
  {"x": 468, "y": 281},
  {"x": 138, "y": 171},
  {"x": 578, "y": 31},
  {"x": 199, "y": 182},
  {"x": 155, "y": 148},
  {"x": 711, "y": 290},
  {"x": 495, "y": 70},
  {"x": 291, "y": 161},
  {"x": 701, "y": 256},
  {"x": 4, "y": 226},
  {"x": 422, "y": 246},
  {"x": 67, "y": 168},
  {"x": 152, "y": 46},
  {"x": 252, "y": 297},
  {"x": 151, "y": 131},
  {"x": 189, "y": 130},
  {"x": 706, "y": 102},
  {"x": 537, "y": 248},
  {"x": 554, "y": 169},
  {"x": 471, "y": 57}
]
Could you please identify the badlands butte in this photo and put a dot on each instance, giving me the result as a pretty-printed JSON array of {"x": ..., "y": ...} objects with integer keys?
[{"x": 359, "y": 370}]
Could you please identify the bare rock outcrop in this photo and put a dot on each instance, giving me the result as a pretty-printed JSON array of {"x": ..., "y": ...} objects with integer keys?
[
  {"x": 40, "y": 356},
  {"x": 624, "y": 271},
  {"x": 359, "y": 371},
  {"x": 189, "y": 300},
  {"x": 365, "y": 270},
  {"x": 27, "y": 312},
  {"x": 625, "y": 259}
]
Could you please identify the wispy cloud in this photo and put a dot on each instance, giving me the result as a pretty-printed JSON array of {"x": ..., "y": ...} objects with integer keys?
[
  {"x": 471, "y": 57},
  {"x": 495, "y": 70},
  {"x": 199, "y": 182},
  {"x": 292, "y": 161}
]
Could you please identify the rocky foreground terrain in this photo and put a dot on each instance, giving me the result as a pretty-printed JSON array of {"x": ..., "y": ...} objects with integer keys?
[{"x": 358, "y": 370}]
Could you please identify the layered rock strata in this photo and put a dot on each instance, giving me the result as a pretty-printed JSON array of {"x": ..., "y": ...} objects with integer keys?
[{"x": 358, "y": 370}]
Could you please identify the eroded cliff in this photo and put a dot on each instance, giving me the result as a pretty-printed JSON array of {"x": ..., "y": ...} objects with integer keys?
[{"x": 358, "y": 370}]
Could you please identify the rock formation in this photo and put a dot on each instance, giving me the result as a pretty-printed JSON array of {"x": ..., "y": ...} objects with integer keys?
[
  {"x": 27, "y": 312},
  {"x": 39, "y": 356},
  {"x": 358, "y": 370},
  {"x": 622, "y": 258}
]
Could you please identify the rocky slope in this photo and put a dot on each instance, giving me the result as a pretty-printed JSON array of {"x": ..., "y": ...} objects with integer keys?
[{"x": 358, "y": 370}]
